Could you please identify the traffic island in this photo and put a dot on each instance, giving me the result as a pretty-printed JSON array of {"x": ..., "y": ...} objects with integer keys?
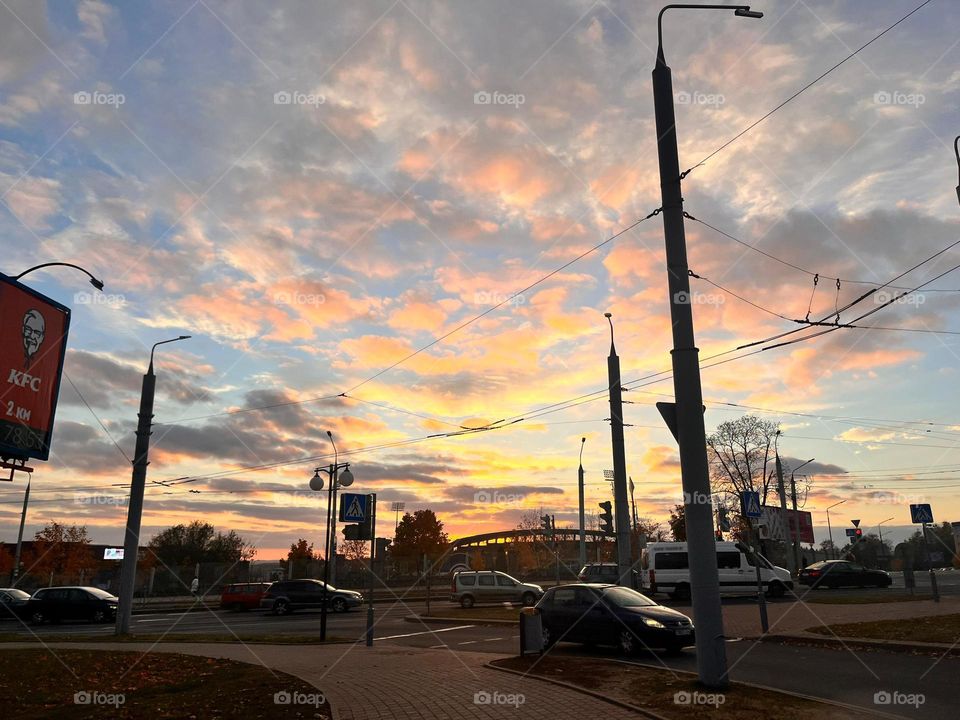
[
  {"x": 663, "y": 694},
  {"x": 88, "y": 684}
]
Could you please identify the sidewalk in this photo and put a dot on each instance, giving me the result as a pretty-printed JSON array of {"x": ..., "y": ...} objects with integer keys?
[{"x": 391, "y": 681}]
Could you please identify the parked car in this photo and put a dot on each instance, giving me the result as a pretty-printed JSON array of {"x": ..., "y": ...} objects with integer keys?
[
  {"x": 601, "y": 614},
  {"x": 285, "y": 596},
  {"x": 840, "y": 573},
  {"x": 55, "y": 604},
  {"x": 665, "y": 568},
  {"x": 242, "y": 596},
  {"x": 599, "y": 573},
  {"x": 476, "y": 586},
  {"x": 13, "y": 603}
]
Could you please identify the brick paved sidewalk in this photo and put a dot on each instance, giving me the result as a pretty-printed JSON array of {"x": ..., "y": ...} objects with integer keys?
[{"x": 393, "y": 681}]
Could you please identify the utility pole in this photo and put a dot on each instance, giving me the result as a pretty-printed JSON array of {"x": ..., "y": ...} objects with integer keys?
[
  {"x": 621, "y": 504},
  {"x": 782, "y": 491},
  {"x": 691, "y": 434},
  {"x": 15, "y": 574},
  {"x": 583, "y": 530},
  {"x": 796, "y": 514}
]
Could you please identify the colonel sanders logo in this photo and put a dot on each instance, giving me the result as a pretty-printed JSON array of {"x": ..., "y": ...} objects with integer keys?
[{"x": 33, "y": 332}]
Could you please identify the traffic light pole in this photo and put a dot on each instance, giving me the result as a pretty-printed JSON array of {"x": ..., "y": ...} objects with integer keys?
[
  {"x": 621, "y": 502},
  {"x": 372, "y": 509}
]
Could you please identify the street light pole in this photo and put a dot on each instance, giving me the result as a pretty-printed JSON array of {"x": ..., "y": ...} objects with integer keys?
[
  {"x": 583, "y": 531},
  {"x": 830, "y": 528},
  {"x": 131, "y": 540},
  {"x": 15, "y": 574},
  {"x": 621, "y": 503},
  {"x": 691, "y": 434},
  {"x": 796, "y": 516}
]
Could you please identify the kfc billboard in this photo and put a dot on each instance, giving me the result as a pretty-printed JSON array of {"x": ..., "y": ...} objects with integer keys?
[{"x": 33, "y": 340}]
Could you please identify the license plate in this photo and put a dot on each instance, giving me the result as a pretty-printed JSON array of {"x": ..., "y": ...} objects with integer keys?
[{"x": 683, "y": 631}]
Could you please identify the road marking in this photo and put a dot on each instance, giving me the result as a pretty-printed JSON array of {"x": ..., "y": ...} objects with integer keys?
[
  {"x": 436, "y": 647},
  {"x": 490, "y": 639},
  {"x": 425, "y": 632},
  {"x": 468, "y": 642}
]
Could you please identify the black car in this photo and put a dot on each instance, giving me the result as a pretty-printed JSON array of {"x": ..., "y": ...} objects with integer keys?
[
  {"x": 601, "y": 614},
  {"x": 288, "y": 595},
  {"x": 842, "y": 573},
  {"x": 56, "y": 604},
  {"x": 13, "y": 603}
]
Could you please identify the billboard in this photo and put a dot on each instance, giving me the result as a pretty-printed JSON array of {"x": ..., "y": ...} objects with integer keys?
[
  {"x": 33, "y": 340},
  {"x": 773, "y": 519},
  {"x": 113, "y": 553}
]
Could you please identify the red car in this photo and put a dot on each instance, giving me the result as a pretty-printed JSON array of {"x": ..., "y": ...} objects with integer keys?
[{"x": 242, "y": 596}]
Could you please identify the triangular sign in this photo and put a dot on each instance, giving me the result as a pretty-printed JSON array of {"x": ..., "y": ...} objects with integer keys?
[
  {"x": 355, "y": 510},
  {"x": 856, "y": 523}
]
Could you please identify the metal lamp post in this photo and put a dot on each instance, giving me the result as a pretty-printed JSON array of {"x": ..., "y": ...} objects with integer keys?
[
  {"x": 583, "y": 531},
  {"x": 131, "y": 540},
  {"x": 335, "y": 479},
  {"x": 796, "y": 517},
  {"x": 691, "y": 434},
  {"x": 830, "y": 529},
  {"x": 621, "y": 504}
]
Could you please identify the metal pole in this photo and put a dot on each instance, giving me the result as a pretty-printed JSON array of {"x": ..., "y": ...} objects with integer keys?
[
  {"x": 761, "y": 595},
  {"x": 621, "y": 504},
  {"x": 583, "y": 532},
  {"x": 830, "y": 532},
  {"x": 15, "y": 573},
  {"x": 782, "y": 491},
  {"x": 796, "y": 519},
  {"x": 131, "y": 543},
  {"x": 372, "y": 503},
  {"x": 333, "y": 530},
  {"x": 691, "y": 435},
  {"x": 331, "y": 471}
]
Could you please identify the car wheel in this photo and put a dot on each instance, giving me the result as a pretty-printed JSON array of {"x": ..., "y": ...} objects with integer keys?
[
  {"x": 776, "y": 590},
  {"x": 528, "y": 599},
  {"x": 627, "y": 642},
  {"x": 38, "y": 617},
  {"x": 339, "y": 605},
  {"x": 99, "y": 616},
  {"x": 466, "y": 602},
  {"x": 281, "y": 607},
  {"x": 681, "y": 592}
]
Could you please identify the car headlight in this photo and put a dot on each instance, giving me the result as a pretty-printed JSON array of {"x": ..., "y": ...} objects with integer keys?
[{"x": 650, "y": 622}]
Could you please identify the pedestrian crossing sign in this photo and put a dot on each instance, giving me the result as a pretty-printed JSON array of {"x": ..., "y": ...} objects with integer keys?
[
  {"x": 921, "y": 513},
  {"x": 353, "y": 508},
  {"x": 750, "y": 503}
]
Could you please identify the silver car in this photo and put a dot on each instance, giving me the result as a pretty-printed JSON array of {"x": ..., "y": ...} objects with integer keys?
[{"x": 475, "y": 586}]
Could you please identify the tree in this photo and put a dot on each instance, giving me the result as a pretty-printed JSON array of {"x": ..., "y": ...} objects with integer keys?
[
  {"x": 653, "y": 530},
  {"x": 300, "y": 559},
  {"x": 678, "y": 523},
  {"x": 741, "y": 452},
  {"x": 355, "y": 549},
  {"x": 199, "y": 542},
  {"x": 418, "y": 535},
  {"x": 60, "y": 553}
]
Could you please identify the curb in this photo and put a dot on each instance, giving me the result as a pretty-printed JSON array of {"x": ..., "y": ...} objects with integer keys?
[
  {"x": 861, "y": 643},
  {"x": 583, "y": 691},
  {"x": 429, "y": 619}
]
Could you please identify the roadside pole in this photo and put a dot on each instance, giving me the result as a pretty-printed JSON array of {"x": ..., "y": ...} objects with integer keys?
[
  {"x": 583, "y": 532},
  {"x": 621, "y": 504},
  {"x": 796, "y": 518},
  {"x": 761, "y": 595},
  {"x": 15, "y": 574},
  {"x": 788, "y": 534},
  {"x": 427, "y": 580},
  {"x": 934, "y": 590},
  {"x": 372, "y": 509}
]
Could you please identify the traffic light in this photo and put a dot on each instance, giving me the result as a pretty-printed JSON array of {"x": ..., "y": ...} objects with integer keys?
[
  {"x": 723, "y": 520},
  {"x": 606, "y": 517},
  {"x": 858, "y": 535},
  {"x": 359, "y": 531},
  {"x": 546, "y": 525}
]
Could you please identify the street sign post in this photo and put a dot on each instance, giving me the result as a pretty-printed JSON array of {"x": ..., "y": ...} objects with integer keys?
[
  {"x": 922, "y": 513},
  {"x": 851, "y": 532}
]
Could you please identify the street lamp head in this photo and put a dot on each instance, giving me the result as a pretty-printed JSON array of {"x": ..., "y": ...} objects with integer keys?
[
  {"x": 316, "y": 482},
  {"x": 98, "y": 284},
  {"x": 583, "y": 440},
  {"x": 346, "y": 478},
  {"x": 747, "y": 12}
]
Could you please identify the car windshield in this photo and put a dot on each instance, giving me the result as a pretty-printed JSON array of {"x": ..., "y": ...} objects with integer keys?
[
  {"x": 100, "y": 594},
  {"x": 625, "y": 597},
  {"x": 17, "y": 594}
]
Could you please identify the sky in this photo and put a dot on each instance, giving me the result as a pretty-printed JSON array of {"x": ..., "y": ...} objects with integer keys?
[{"x": 315, "y": 191}]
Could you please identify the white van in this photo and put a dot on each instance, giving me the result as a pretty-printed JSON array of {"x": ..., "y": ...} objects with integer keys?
[{"x": 665, "y": 568}]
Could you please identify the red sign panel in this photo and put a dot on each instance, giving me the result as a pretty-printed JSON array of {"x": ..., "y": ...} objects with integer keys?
[
  {"x": 805, "y": 520},
  {"x": 33, "y": 339}
]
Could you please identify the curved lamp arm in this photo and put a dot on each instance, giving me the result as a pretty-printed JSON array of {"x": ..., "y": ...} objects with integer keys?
[{"x": 98, "y": 284}]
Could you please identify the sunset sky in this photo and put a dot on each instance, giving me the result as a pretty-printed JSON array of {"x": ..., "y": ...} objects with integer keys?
[{"x": 314, "y": 191}]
